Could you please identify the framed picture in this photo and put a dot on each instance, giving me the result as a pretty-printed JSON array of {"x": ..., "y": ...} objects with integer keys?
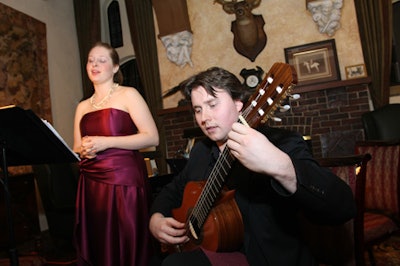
[
  {"x": 356, "y": 71},
  {"x": 314, "y": 62}
]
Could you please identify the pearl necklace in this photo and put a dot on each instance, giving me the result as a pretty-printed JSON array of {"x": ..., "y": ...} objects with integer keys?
[{"x": 99, "y": 105}]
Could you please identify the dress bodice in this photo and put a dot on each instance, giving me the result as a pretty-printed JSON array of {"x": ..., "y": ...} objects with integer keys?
[{"x": 113, "y": 166}]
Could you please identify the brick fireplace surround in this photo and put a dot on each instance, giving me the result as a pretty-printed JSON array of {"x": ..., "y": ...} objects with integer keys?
[{"x": 330, "y": 113}]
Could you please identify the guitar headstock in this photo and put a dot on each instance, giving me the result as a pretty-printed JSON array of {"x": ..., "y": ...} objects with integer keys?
[{"x": 276, "y": 86}]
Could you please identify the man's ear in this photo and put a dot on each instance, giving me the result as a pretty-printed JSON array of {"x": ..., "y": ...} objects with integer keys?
[{"x": 239, "y": 105}]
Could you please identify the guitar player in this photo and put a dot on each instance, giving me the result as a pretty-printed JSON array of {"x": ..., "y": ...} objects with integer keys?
[{"x": 272, "y": 174}]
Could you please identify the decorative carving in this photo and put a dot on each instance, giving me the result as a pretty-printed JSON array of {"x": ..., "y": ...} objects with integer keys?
[
  {"x": 175, "y": 31},
  {"x": 326, "y": 14},
  {"x": 249, "y": 36}
]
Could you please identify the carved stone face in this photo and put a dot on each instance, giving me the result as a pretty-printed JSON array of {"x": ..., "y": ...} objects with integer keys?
[
  {"x": 179, "y": 47},
  {"x": 326, "y": 14}
]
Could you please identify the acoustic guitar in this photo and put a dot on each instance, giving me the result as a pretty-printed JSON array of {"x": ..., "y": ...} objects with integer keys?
[{"x": 213, "y": 220}]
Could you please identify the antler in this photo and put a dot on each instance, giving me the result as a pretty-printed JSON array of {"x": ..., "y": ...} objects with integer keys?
[
  {"x": 229, "y": 6},
  {"x": 222, "y": 2},
  {"x": 253, "y": 3}
]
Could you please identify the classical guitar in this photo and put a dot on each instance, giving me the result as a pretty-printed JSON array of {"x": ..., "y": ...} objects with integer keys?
[{"x": 213, "y": 220}]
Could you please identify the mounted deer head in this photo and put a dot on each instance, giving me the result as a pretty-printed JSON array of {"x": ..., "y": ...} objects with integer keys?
[{"x": 249, "y": 36}]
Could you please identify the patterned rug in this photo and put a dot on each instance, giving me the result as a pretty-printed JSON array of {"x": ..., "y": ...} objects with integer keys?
[
  {"x": 387, "y": 253},
  {"x": 25, "y": 261},
  {"x": 42, "y": 251}
]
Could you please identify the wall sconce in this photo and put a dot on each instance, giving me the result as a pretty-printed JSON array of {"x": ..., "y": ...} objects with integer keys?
[{"x": 326, "y": 14}]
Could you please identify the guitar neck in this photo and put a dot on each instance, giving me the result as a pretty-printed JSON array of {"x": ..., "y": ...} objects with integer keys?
[{"x": 211, "y": 190}]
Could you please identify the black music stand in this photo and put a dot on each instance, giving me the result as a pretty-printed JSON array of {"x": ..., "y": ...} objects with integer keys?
[{"x": 26, "y": 139}]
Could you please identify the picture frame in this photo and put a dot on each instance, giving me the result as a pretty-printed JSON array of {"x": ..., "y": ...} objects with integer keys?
[
  {"x": 315, "y": 62},
  {"x": 355, "y": 71}
]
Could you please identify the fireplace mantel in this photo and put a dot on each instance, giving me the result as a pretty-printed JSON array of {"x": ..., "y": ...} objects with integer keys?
[
  {"x": 333, "y": 84},
  {"x": 178, "y": 109}
]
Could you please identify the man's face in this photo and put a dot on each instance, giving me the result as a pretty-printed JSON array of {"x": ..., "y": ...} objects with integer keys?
[{"x": 215, "y": 115}]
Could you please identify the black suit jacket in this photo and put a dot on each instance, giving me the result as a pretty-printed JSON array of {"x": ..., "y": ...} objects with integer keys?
[{"x": 270, "y": 214}]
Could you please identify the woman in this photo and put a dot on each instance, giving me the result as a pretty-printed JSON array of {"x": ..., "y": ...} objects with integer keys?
[{"x": 112, "y": 200}]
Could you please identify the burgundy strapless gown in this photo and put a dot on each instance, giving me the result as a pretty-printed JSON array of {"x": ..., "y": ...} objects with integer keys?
[{"x": 113, "y": 198}]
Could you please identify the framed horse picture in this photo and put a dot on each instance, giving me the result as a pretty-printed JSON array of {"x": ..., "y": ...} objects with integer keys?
[{"x": 314, "y": 62}]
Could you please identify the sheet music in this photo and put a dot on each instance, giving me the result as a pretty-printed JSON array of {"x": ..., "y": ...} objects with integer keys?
[{"x": 60, "y": 138}]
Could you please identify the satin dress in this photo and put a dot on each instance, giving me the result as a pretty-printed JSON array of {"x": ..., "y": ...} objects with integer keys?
[{"x": 112, "y": 203}]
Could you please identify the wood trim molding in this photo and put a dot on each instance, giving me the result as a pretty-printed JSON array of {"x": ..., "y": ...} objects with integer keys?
[
  {"x": 178, "y": 109},
  {"x": 332, "y": 84}
]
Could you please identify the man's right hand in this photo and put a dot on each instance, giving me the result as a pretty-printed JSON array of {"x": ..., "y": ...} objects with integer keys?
[{"x": 167, "y": 230}]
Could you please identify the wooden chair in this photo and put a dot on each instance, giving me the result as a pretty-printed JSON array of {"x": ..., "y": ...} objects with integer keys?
[
  {"x": 352, "y": 169},
  {"x": 343, "y": 244},
  {"x": 382, "y": 213}
]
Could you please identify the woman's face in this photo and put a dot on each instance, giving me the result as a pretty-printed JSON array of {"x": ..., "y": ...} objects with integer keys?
[{"x": 99, "y": 66}]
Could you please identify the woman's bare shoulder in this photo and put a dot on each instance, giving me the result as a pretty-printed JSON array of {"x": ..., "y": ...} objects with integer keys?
[
  {"x": 126, "y": 90},
  {"x": 83, "y": 107}
]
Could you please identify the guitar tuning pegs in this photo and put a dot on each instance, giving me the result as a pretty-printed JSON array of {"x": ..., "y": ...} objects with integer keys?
[
  {"x": 276, "y": 119},
  {"x": 294, "y": 96},
  {"x": 284, "y": 108}
]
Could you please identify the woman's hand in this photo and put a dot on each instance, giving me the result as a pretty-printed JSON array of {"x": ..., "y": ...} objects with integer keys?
[{"x": 91, "y": 145}]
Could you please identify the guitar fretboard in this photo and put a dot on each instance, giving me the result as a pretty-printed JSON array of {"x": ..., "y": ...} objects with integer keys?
[{"x": 211, "y": 190}]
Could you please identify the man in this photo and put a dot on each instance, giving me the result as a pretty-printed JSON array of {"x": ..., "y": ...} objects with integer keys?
[{"x": 274, "y": 177}]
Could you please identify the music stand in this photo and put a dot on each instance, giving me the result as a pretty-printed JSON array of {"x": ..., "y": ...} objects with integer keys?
[{"x": 26, "y": 139}]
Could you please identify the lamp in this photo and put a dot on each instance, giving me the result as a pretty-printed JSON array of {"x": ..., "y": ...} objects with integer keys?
[{"x": 326, "y": 14}]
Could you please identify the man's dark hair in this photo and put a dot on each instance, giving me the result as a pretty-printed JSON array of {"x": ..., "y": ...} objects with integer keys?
[{"x": 212, "y": 79}]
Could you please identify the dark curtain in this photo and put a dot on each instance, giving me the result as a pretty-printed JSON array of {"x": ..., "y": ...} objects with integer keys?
[
  {"x": 114, "y": 24},
  {"x": 87, "y": 21},
  {"x": 375, "y": 25},
  {"x": 131, "y": 76},
  {"x": 141, "y": 26}
]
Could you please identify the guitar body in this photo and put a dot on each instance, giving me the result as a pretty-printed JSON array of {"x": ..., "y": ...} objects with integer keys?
[{"x": 223, "y": 228}]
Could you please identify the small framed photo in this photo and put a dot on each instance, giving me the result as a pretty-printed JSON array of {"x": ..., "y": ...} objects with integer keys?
[
  {"x": 355, "y": 71},
  {"x": 314, "y": 62}
]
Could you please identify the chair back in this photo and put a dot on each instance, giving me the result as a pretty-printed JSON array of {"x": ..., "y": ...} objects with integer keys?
[
  {"x": 342, "y": 244},
  {"x": 353, "y": 170},
  {"x": 382, "y": 123},
  {"x": 383, "y": 173}
]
